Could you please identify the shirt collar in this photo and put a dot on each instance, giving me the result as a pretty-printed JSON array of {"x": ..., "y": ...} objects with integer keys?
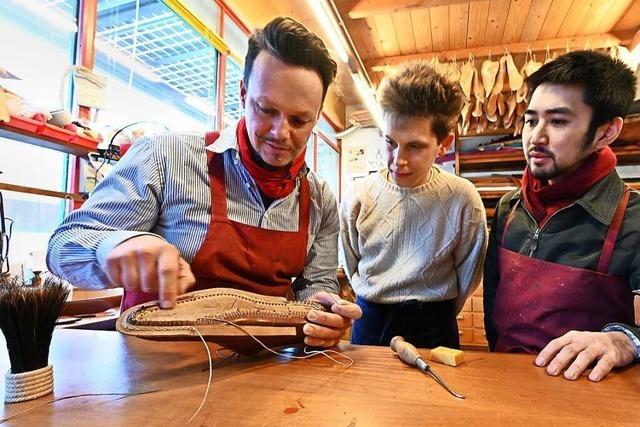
[
  {"x": 600, "y": 201},
  {"x": 227, "y": 140}
]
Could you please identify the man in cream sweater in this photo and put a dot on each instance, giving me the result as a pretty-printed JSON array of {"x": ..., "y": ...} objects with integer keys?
[{"x": 414, "y": 235}]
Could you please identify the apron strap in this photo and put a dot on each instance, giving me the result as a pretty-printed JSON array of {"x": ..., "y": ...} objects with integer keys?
[
  {"x": 216, "y": 170},
  {"x": 304, "y": 215},
  {"x": 508, "y": 222},
  {"x": 211, "y": 137},
  {"x": 305, "y": 203},
  {"x": 612, "y": 233}
]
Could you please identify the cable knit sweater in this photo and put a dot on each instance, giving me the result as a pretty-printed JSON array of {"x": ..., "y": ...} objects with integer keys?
[{"x": 426, "y": 243}]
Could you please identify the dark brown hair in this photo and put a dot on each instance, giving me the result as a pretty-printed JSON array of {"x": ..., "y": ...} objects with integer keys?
[
  {"x": 419, "y": 91},
  {"x": 291, "y": 42}
]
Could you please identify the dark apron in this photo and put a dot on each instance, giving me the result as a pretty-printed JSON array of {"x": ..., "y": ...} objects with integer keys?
[
  {"x": 538, "y": 301},
  {"x": 242, "y": 256}
]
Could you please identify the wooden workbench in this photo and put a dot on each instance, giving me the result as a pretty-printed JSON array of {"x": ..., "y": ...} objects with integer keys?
[{"x": 378, "y": 390}]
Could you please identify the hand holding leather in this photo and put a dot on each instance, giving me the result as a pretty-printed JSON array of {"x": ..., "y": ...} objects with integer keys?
[{"x": 325, "y": 329}]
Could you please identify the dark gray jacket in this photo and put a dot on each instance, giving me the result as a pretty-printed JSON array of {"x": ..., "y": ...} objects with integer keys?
[{"x": 572, "y": 236}]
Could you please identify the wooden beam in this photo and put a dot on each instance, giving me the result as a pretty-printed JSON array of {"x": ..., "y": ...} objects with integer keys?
[
  {"x": 366, "y": 8},
  {"x": 595, "y": 41},
  {"x": 41, "y": 192},
  {"x": 635, "y": 41}
]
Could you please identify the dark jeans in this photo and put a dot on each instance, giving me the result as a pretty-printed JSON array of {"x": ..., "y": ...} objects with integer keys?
[{"x": 423, "y": 324}]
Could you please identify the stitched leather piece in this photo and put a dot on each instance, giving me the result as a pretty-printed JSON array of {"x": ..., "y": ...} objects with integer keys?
[{"x": 273, "y": 320}]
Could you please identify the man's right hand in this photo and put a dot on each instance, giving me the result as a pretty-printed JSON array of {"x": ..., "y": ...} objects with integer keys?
[{"x": 149, "y": 264}]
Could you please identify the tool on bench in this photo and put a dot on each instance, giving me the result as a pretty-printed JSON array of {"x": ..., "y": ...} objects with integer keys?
[{"x": 409, "y": 354}]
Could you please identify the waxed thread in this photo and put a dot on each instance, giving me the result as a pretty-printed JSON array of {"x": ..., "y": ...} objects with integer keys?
[
  {"x": 206, "y": 393},
  {"x": 308, "y": 354}
]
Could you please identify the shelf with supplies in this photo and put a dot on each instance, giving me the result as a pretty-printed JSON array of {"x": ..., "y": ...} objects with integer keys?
[
  {"x": 76, "y": 197},
  {"x": 48, "y": 136},
  {"x": 626, "y": 147},
  {"x": 627, "y": 154}
]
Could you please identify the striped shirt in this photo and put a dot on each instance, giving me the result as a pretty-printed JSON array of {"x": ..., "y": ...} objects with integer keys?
[{"x": 162, "y": 188}]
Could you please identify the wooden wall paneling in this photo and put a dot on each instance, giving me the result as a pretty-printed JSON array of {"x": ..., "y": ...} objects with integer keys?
[
  {"x": 554, "y": 19},
  {"x": 458, "y": 24},
  {"x": 440, "y": 28},
  {"x": 498, "y": 11},
  {"x": 478, "y": 13},
  {"x": 594, "y": 16},
  {"x": 574, "y": 17},
  {"x": 386, "y": 34},
  {"x": 404, "y": 32},
  {"x": 598, "y": 41},
  {"x": 363, "y": 38},
  {"x": 631, "y": 18},
  {"x": 421, "y": 23},
  {"x": 537, "y": 15},
  {"x": 374, "y": 37},
  {"x": 613, "y": 15},
  {"x": 366, "y": 8},
  {"x": 516, "y": 20}
]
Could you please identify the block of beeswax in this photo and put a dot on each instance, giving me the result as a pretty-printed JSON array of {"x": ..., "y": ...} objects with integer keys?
[{"x": 446, "y": 355}]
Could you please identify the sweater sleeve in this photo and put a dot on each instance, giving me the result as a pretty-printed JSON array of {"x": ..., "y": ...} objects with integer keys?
[{"x": 470, "y": 252}]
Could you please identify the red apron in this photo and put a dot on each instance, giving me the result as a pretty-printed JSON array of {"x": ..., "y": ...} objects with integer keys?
[
  {"x": 241, "y": 256},
  {"x": 538, "y": 301}
]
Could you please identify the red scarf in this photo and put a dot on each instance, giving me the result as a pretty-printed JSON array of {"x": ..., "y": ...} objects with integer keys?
[
  {"x": 274, "y": 182},
  {"x": 542, "y": 199}
]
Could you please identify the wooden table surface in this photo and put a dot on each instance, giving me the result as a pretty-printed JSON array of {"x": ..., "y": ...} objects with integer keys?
[{"x": 104, "y": 378}]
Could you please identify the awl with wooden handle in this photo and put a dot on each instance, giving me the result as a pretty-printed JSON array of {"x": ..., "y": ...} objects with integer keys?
[{"x": 409, "y": 354}]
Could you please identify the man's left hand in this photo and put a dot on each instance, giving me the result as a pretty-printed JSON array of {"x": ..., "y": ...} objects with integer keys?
[
  {"x": 326, "y": 329},
  {"x": 575, "y": 351}
]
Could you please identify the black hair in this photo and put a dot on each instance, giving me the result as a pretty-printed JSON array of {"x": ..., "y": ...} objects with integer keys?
[{"x": 608, "y": 84}]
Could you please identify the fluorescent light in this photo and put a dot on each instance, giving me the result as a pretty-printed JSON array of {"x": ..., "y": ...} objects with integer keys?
[
  {"x": 331, "y": 28},
  {"x": 126, "y": 60},
  {"x": 366, "y": 94},
  {"x": 324, "y": 13},
  {"x": 199, "y": 104},
  {"x": 51, "y": 14}
]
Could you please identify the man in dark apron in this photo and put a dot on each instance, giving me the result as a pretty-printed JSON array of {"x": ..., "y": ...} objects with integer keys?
[
  {"x": 237, "y": 208},
  {"x": 563, "y": 253}
]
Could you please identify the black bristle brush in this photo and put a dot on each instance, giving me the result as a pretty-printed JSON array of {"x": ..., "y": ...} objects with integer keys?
[{"x": 27, "y": 318}]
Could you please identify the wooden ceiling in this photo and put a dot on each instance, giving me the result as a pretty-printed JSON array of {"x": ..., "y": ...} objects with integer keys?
[{"x": 388, "y": 32}]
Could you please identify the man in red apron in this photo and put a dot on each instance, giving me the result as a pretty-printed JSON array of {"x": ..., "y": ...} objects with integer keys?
[
  {"x": 237, "y": 208},
  {"x": 563, "y": 260}
]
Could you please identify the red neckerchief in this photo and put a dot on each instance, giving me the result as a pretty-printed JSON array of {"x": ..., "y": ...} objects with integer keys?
[
  {"x": 274, "y": 183},
  {"x": 542, "y": 199}
]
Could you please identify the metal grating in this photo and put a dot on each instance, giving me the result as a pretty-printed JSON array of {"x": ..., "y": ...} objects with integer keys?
[
  {"x": 177, "y": 60},
  {"x": 68, "y": 7},
  {"x": 232, "y": 104}
]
